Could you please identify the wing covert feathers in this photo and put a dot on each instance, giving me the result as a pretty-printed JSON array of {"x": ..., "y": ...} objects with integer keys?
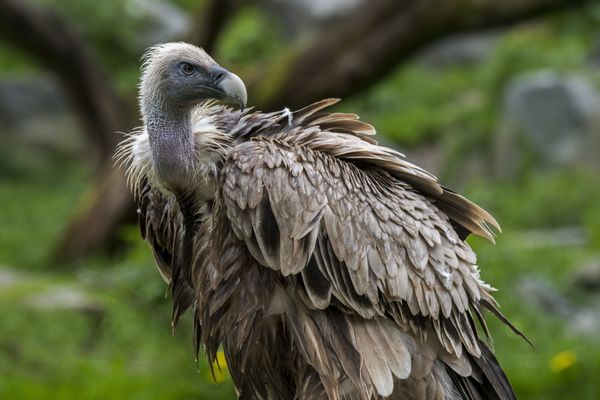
[{"x": 344, "y": 136}]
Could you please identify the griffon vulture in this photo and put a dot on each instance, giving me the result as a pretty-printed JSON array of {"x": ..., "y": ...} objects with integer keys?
[{"x": 324, "y": 265}]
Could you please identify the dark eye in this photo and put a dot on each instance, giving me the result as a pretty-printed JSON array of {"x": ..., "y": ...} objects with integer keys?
[{"x": 187, "y": 68}]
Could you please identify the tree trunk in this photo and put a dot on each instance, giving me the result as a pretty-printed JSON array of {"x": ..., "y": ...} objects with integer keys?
[
  {"x": 365, "y": 46},
  {"x": 214, "y": 16},
  {"x": 96, "y": 227},
  {"x": 56, "y": 45}
]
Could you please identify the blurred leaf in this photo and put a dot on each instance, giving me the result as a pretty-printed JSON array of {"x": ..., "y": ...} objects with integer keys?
[{"x": 250, "y": 36}]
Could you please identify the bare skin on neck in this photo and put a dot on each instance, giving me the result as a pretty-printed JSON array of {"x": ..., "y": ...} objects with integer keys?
[{"x": 172, "y": 144}]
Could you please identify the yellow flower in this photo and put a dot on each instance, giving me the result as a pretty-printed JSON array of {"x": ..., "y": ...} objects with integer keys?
[
  {"x": 562, "y": 361},
  {"x": 221, "y": 359},
  {"x": 219, "y": 369}
]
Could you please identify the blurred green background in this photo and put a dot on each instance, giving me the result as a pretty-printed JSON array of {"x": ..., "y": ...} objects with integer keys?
[{"x": 510, "y": 117}]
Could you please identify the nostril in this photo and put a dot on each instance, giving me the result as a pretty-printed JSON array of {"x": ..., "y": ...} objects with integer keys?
[{"x": 219, "y": 76}]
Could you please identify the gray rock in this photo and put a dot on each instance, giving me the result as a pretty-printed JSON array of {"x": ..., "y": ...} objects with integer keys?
[
  {"x": 64, "y": 297},
  {"x": 563, "y": 236},
  {"x": 35, "y": 110},
  {"x": 555, "y": 117},
  {"x": 587, "y": 277},
  {"x": 539, "y": 292},
  {"x": 586, "y": 283},
  {"x": 165, "y": 21},
  {"x": 577, "y": 305},
  {"x": 460, "y": 49},
  {"x": 586, "y": 322},
  {"x": 299, "y": 16},
  {"x": 21, "y": 98},
  {"x": 40, "y": 292},
  {"x": 319, "y": 9},
  {"x": 9, "y": 277}
]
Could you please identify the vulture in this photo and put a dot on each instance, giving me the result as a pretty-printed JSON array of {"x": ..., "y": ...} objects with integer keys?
[{"x": 323, "y": 265}]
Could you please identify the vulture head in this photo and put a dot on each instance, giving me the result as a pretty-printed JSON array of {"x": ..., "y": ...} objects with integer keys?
[
  {"x": 176, "y": 77},
  {"x": 181, "y": 75}
]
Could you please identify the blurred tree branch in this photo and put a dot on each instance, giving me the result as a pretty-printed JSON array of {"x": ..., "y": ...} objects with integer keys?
[
  {"x": 341, "y": 60},
  {"x": 365, "y": 46},
  {"x": 213, "y": 18},
  {"x": 51, "y": 40},
  {"x": 96, "y": 224}
]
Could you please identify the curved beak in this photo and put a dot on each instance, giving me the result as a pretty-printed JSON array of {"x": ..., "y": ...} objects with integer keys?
[{"x": 230, "y": 85}]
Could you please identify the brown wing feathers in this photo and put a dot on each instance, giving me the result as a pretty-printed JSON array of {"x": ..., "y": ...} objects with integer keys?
[
  {"x": 326, "y": 230},
  {"x": 465, "y": 213},
  {"x": 161, "y": 226},
  {"x": 321, "y": 204}
]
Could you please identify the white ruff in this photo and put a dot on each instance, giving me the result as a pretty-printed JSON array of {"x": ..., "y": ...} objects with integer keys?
[{"x": 210, "y": 143}]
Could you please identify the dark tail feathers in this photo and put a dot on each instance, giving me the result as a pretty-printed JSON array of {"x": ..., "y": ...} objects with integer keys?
[{"x": 488, "y": 381}]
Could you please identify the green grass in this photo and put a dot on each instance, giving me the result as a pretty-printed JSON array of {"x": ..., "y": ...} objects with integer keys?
[
  {"x": 37, "y": 201},
  {"x": 541, "y": 202},
  {"x": 123, "y": 352},
  {"x": 535, "y": 374},
  {"x": 120, "y": 347}
]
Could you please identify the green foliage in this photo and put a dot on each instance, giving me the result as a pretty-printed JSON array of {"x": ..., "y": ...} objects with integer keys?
[
  {"x": 112, "y": 28},
  {"x": 460, "y": 104},
  {"x": 591, "y": 218},
  {"x": 124, "y": 351},
  {"x": 505, "y": 265},
  {"x": 544, "y": 200},
  {"x": 37, "y": 202},
  {"x": 564, "y": 363},
  {"x": 14, "y": 62},
  {"x": 250, "y": 37}
]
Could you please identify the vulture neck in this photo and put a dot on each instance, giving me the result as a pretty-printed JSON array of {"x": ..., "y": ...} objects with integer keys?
[{"x": 172, "y": 143}]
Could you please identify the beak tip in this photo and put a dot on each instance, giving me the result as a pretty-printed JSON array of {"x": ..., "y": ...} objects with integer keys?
[{"x": 234, "y": 88}]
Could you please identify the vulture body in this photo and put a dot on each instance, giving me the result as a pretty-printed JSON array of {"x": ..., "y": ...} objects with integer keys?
[{"x": 326, "y": 266}]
